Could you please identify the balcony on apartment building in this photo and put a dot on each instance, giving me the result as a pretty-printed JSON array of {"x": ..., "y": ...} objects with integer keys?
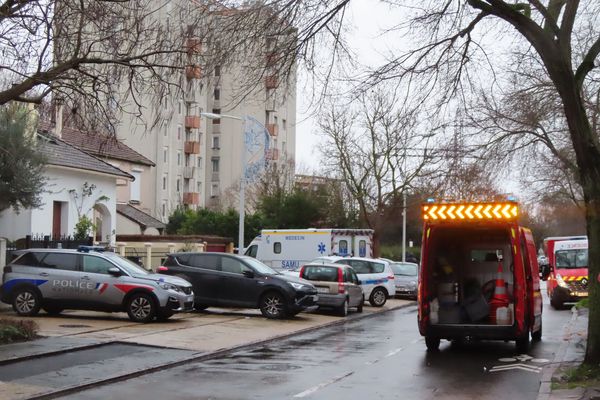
[
  {"x": 192, "y": 122},
  {"x": 189, "y": 172},
  {"x": 271, "y": 58},
  {"x": 271, "y": 82},
  {"x": 191, "y": 198},
  {"x": 191, "y": 147},
  {"x": 273, "y": 129},
  {"x": 272, "y": 154},
  {"x": 193, "y": 45},
  {"x": 193, "y": 71}
]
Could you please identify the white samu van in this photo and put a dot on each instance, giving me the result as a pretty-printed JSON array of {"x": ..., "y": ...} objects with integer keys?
[{"x": 291, "y": 248}]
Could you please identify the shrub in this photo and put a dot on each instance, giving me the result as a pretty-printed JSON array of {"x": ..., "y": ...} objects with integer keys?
[{"x": 17, "y": 330}]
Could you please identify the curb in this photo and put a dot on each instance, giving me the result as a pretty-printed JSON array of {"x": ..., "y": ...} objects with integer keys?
[
  {"x": 545, "y": 390},
  {"x": 200, "y": 356}
]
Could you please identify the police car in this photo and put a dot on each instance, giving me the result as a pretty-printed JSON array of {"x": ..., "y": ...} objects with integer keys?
[{"x": 59, "y": 279}]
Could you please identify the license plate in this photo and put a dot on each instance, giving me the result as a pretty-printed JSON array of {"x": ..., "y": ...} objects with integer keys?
[
  {"x": 580, "y": 294},
  {"x": 189, "y": 298},
  {"x": 322, "y": 290}
]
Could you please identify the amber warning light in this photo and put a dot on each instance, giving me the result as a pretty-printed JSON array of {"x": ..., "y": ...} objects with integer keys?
[{"x": 448, "y": 212}]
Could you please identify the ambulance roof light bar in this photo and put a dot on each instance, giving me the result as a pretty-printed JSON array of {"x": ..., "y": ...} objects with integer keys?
[{"x": 456, "y": 212}]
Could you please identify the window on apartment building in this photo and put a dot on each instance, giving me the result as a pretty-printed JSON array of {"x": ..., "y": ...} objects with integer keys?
[
  {"x": 218, "y": 120},
  {"x": 178, "y": 185},
  {"x": 217, "y": 70},
  {"x": 215, "y": 165},
  {"x": 164, "y": 182},
  {"x": 165, "y": 128},
  {"x": 165, "y": 102},
  {"x": 215, "y": 142},
  {"x": 275, "y": 120},
  {"x": 217, "y": 94},
  {"x": 164, "y": 209},
  {"x": 166, "y": 155},
  {"x": 179, "y": 132},
  {"x": 282, "y": 146},
  {"x": 284, "y": 124},
  {"x": 199, "y": 162},
  {"x": 178, "y": 158},
  {"x": 199, "y": 187},
  {"x": 135, "y": 186},
  {"x": 179, "y": 106},
  {"x": 214, "y": 189}
]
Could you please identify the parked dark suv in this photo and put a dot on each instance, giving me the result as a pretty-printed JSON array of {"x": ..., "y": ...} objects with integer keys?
[{"x": 223, "y": 279}]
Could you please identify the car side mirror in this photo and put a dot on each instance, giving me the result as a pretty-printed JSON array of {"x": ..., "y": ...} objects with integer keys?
[
  {"x": 358, "y": 282},
  {"x": 545, "y": 272},
  {"x": 248, "y": 274},
  {"x": 114, "y": 271}
]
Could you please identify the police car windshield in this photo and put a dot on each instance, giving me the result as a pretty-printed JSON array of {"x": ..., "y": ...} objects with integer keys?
[
  {"x": 260, "y": 267},
  {"x": 128, "y": 266}
]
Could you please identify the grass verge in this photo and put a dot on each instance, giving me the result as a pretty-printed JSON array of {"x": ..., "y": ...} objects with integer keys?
[
  {"x": 17, "y": 330},
  {"x": 583, "y": 303},
  {"x": 584, "y": 375}
]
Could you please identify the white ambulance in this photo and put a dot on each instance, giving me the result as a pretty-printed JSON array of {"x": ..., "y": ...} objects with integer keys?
[{"x": 289, "y": 249}]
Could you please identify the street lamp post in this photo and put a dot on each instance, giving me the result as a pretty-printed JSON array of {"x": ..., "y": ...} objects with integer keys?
[{"x": 242, "y": 209}]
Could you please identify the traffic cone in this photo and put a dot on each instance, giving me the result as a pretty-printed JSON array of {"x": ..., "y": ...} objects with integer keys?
[{"x": 500, "y": 297}]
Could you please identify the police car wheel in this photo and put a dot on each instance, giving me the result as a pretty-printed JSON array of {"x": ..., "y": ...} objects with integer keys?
[
  {"x": 378, "y": 297},
  {"x": 26, "y": 301},
  {"x": 141, "y": 307},
  {"x": 53, "y": 310}
]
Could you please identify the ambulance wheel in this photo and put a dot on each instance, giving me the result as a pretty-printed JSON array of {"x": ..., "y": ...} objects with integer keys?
[
  {"x": 537, "y": 335},
  {"x": 432, "y": 343},
  {"x": 359, "y": 308},
  {"x": 522, "y": 343},
  {"x": 378, "y": 297},
  {"x": 26, "y": 301},
  {"x": 141, "y": 307}
]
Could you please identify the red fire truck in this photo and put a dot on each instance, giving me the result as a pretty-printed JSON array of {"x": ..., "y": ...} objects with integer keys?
[
  {"x": 567, "y": 269},
  {"x": 478, "y": 276}
]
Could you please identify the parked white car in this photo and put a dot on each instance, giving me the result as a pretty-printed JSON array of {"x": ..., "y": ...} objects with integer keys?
[{"x": 376, "y": 277}]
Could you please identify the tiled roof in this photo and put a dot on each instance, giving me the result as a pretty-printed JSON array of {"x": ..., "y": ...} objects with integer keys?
[
  {"x": 98, "y": 144},
  {"x": 60, "y": 153},
  {"x": 140, "y": 217}
]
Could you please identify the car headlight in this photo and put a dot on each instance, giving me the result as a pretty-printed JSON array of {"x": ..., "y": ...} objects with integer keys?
[
  {"x": 561, "y": 282},
  {"x": 297, "y": 286},
  {"x": 170, "y": 286},
  {"x": 413, "y": 283}
]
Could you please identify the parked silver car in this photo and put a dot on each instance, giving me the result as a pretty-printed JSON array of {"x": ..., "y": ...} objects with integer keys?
[
  {"x": 406, "y": 276},
  {"x": 57, "y": 279},
  {"x": 338, "y": 286}
]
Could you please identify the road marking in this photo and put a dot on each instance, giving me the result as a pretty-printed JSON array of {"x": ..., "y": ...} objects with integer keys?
[
  {"x": 524, "y": 367},
  {"x": 394, "y": 352},
  {"x": 320, "y": 386}
]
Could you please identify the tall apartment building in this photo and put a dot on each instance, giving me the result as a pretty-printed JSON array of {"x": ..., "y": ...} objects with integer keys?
[{"x": 199, "y": 160}]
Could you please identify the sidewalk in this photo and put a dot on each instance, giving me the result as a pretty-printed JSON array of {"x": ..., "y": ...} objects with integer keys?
[{"x": 570, "y": 354}]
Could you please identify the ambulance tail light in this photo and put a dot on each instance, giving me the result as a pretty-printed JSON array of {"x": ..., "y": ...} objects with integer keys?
[{"x": 341, "y": 285}]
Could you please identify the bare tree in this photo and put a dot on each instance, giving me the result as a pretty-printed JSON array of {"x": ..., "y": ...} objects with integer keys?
[{"x": 377, "y": 158}]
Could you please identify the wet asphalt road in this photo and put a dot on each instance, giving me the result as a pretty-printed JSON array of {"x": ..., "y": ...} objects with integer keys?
[{"x": 381, "y": 357}]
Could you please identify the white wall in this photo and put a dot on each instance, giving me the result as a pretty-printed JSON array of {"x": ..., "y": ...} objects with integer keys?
[{"x": 39, "y": 221}]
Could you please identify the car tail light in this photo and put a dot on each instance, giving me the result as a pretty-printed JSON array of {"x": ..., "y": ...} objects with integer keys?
[
  {"x": 301, "y": 271},
  {"x": 341, "y": 286},
  {"x": 162, "y": 268},
  {"x": 391, "y": 277}
]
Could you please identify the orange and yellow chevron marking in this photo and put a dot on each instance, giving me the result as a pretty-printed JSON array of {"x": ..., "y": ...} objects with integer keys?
[
  {"x": 455, "y": 212},
  {"x": 574, "y": 278}
]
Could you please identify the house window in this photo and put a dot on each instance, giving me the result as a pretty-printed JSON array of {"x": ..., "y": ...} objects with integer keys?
[
  {"x": 217, "y": 70},
  {"x": 215, "y": 142},
  {"x": 218, "y": 120},
  {"x": 217, "y": 94},
  {"x": 164, "y": 185},
  {"x": 135, "y": 187},
  {"x": 215, "y": 165}
]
